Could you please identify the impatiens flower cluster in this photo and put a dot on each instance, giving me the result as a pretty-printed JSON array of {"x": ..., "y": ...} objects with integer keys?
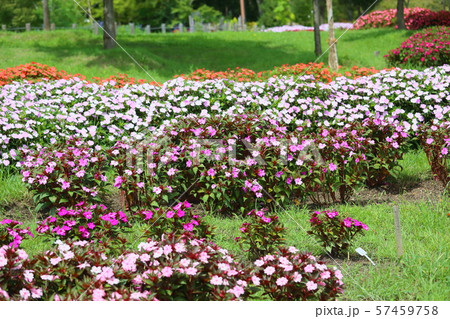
[
  {"x": 12, "y": 234},
  {"x": 289, "y": 275},
  {"x": 178, "y": 219},
  {"x": 334, "y": 232},
  {"x": 415, "y": 18},
  {"x": 64, "y": 174},
  {"x": 322, "y": 27},
  {"x": 84, "y": 221},
  {"x": 261, "y": 235},
  {"x": 313, "y": 71},
  {"x": 431, "y": 47},
  {"x": 435, "y": 140}
]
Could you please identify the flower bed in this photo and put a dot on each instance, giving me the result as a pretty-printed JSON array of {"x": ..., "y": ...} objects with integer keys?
[
  {"x": 221, "y": 145},
  {"x": 415, "y": 18},
  {"x": 317, "y": 71},
  {"x": 430, "y": 47},
  {"x": 322, "y": 27}
]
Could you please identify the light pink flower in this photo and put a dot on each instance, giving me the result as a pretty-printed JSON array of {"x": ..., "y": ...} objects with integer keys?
[
  {"x": 256, "y": 280},
  {"x": 216, "y": 280},
  {"x": 24, "y": 293},
  {"x": 167, "y": 271},
  {"x": 309, "y": 268},
  {"x": 311, "y": 285},
  {"x": 282, "y": 281},
  {"x": 269, "y": 270},
  {"x": 98, "y": 294}
]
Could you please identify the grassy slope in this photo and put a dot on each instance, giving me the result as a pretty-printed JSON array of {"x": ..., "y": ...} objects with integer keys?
[{"x": 162, "y": 56}]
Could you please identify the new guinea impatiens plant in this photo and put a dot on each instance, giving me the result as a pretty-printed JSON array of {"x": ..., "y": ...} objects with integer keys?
[
  {"x": 187, "y": 268},
  {"x": 176, "y": 267},
  {"x": 435, "y": 141},
  {"x": 76, "y": 270},
  {"x": 427, "y": 48},
  {"x": 261, "y": 235},
  {"x": 12, "y": 234},
  {"x": 16, "y": 275},
  {"x": 179, "y": 219},
  {"x": 415, "y": 18},
  {"x": 64, "y": 174},
  {"x": 334, "y": 232},
  {"x": 289, "y": 275},
  {"x": 85, "y": 221}
]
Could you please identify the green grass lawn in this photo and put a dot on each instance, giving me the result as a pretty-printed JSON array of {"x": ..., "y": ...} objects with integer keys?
[
  {"x": 161, "y": 56},
  {"x": 420, "y": 274}
]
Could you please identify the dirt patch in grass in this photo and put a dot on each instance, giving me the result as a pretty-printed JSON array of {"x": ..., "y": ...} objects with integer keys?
[
  {"x": 395, "y": 192},
  {"x": 20, "y": 210}
]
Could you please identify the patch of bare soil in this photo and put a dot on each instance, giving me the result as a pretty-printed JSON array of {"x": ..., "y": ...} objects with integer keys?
[
  {"x": 395, "y": 192},
  {"x": 21, "y": 211}
]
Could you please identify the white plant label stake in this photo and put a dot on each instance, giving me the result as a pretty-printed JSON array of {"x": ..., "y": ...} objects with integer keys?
[{"x": 362, "y": 252}]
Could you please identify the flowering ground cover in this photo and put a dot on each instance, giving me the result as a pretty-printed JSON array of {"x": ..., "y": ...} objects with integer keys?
[
  {"x": 415, "y": 18},
  {"x": 323, "y": 27},
  {"x": 423, "y": 49},
  {"x": 173, "y": 153}
]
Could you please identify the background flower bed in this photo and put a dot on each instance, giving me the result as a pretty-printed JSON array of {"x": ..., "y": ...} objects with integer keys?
[
  {"x": 415, "y": 18},
  {"x": 431, "y": 47}
]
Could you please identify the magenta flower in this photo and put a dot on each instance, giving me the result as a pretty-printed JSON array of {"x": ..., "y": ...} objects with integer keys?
[{"x": 332, "y": 167}]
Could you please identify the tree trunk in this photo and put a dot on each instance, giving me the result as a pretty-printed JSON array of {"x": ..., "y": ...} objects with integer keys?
[
  {"x": 401, "y": 14},
  {"x": 46, "y": 13},
  {"x": 332, "y": 53},
  {"x": 317, "y": 43},
  {"x": 243, "y": 21},
  {"x": 109, "y": 28}
]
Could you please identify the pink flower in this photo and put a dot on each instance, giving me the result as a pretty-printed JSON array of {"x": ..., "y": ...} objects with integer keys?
[
  {"x": 167, "y": 271},
  {"x": 282, "y": 281},
  {"x": 311, "y": 285},
  {"x": 444, "y": 151},
  {"x": 216, "y": 280},
  {"x": 211, "y": 172},
  {"x": 118, "y": 181},
  {"x": 259, "y": 263},
  {"x": 332, "y": 167},
  {"x": 191, "y": 271},
  {"x": 98, "y": 294},
  {"x": 325, "y": 275},
  {"x": 25, "y": 294},
  {"x": 179, "y": 247},
  {"x": 269, "y": 270},
  {"x": 236, "y": 291},
  {"x": 256, "y": 280},
  {"x": 309, "y": 268},
  {"x": 297, "y": 277},
  {"x": 170, "y": 214},
  {"x": 347, "y": 222}
]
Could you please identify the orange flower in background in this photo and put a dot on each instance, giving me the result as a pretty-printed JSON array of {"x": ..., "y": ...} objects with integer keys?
[
  {"x": 34, "y": 72},
  {"x": 318, "y": 70}
]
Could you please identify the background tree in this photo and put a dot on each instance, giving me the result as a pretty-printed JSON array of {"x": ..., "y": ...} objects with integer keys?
[
  {"x": 317, "y": 42},
  {"x": 401, "y": 14},
  {"x": 109, "y": 29},
  {"x": 46, "y": 14},
  {"x": 332, "y": 51}
]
